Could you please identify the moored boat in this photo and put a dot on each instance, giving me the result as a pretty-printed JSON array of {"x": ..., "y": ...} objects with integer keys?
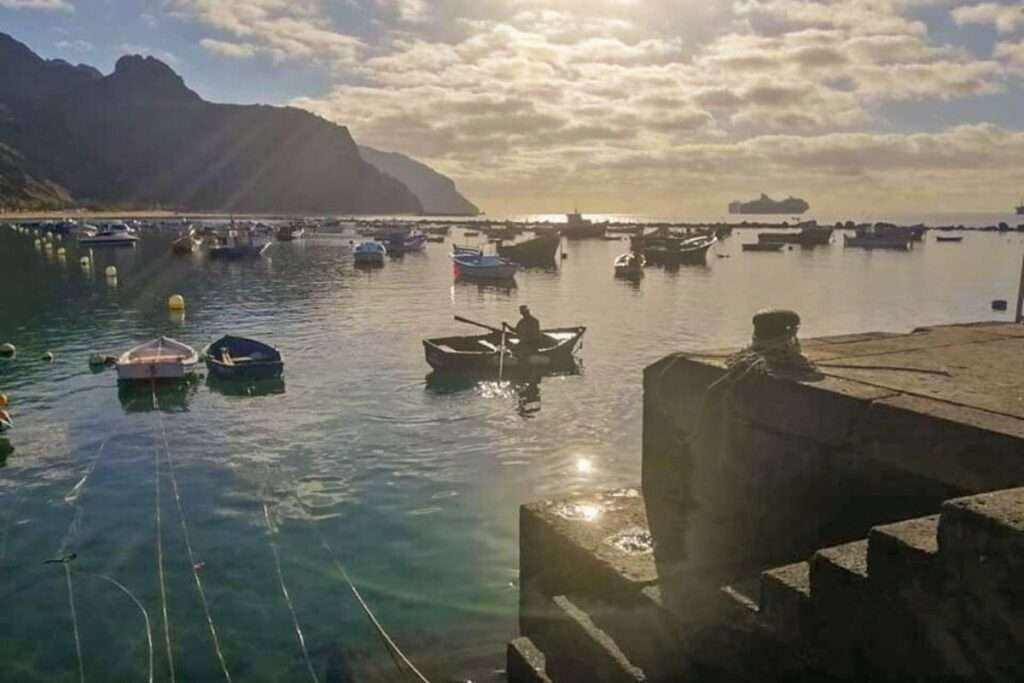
[
  {"x": 161, "y": 358},
  {"x": 663, "y": 249},
  {"x": 291, "y": 232},
  {"x": 186, "y": 243},
  {"x": 403, "y": 240},
  {"x": 630, "y": 265},
  {"x": 809, "y": 236},
  {"x": 369, "y": 253},
  {"x": 116, "y": 234},
  {"x": 536, "y": 251},
  {"x": 240, "y": 243},
  {"x": 234, "y": 358},
  {"x": 764, "y": 246},
  {"x": 483, "y": 353},
  {"x": 879, "y": 237},
  {"x": 940, "y": 238},
  {"x": 577, "y": 227},
  {"x": 475, "y": 265}
]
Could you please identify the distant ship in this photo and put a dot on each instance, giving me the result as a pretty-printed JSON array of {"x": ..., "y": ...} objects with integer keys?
[{"x": 765, "y": 205}]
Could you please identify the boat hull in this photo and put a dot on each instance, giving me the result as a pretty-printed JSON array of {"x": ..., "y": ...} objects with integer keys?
[
  {"x": 251, "y": 360},
  {"x": 237, "y": 253},
  {"x": 127, "y": 241},
  {"x": 161, "y": 359},
  {"x": 538, "y": 252},
  {"x": 887, "y": 242},
  {"x": 675, "y": 252},
  {"x": 482, "y": 354}
]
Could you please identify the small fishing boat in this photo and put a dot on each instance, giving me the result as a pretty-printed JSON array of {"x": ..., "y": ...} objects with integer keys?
[
  {"x": 809, "y": 236},
  {"x": 471, "y": 233},
  {"x": 764, "y": 246},
  {"x": 369, "y": 254},
  {"x": 289, "y": 233},
  {"x": 630, "y": 265},
  {"x": 239, "y": 358},
  {"x": 880, "y": 238},
  {"x": 483, "y": 353},
  {"x": 239, "y": 243},
  {"x": 940, "y": 238},
  {"x": 116, "y": 234},
  {"x": 537, "y": 251},
  {"x": 403, "y": 240},
  {"x": 475, "y": 265},
  {"x": 186, "y": 243},
  {"x": 162, "y": 358},
  {"x": 578, "y": 228},
  {"x": 666, "y": 250}
]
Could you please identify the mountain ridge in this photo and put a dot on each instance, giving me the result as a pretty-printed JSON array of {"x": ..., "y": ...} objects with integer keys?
[
  {"x": 139, "y": 136},
  {"x": 436, "y": 192}
]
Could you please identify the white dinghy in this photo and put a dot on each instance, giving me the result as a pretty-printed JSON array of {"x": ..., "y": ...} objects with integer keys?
[{"x": 162, "y": 358}]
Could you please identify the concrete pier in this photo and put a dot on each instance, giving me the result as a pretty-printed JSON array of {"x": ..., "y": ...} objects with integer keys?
[{"x": 775, "y": 506}]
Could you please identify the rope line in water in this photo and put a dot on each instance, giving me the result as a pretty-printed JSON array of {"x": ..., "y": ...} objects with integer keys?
[
  {"x": 188, "y": 548},
  {"x": 160, "y": 565},
  {"x": 389, "y": 644},
  {"x": 74, "y": 622},
  {"x": 145, "y": 614},
  {"x": 287, "y": 598}
]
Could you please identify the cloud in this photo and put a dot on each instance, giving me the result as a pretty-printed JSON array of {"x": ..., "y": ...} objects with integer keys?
[
  {"x": 51, "y": 5},
  {"x": 1005, "y": 18},
  {"x": 225, "y": 49},
  {"x": 283, "y": 29},
  {"x": 75, "y": 45},
  {"x": 540, "y": 100}
]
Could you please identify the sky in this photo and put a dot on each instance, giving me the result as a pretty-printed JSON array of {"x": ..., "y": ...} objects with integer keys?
[{"x": 630, "y": 106}]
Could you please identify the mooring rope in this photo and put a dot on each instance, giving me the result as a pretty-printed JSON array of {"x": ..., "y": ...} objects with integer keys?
[
  {"x": 160, "y": 565},
  {"x": 188, "y": 547},
  {"x": 287, "y": 598},
  {"x": 74, "y": 622},
  {"x": 389, "y": 644},
  {"x": 142, "y": 609}
]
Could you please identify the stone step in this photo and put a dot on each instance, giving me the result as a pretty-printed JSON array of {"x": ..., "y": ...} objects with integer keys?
[
  {"x": 989, "y": 526},
  {"x": 839, "y": 574},
  {"x": 524, "y": 663},
  {"x": 899, "y": 551},
  {"x": 576, "y": 650},
  {"x": 786, "y": 600}
]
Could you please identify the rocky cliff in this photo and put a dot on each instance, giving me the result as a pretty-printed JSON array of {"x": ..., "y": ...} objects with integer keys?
[
  {"x": 435, "y": 191},
  {"x": 141, "y": 137}
]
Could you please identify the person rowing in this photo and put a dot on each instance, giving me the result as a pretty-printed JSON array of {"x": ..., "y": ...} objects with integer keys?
[{"x": 527, "y": 332}]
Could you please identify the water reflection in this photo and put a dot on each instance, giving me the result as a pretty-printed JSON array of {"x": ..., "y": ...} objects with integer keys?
[
  {"x": 259, "y": 387},
  {"x": 6, "y": 448},
  {"x": 168, "y": 397},
  {"x": 523, "y": 384}
]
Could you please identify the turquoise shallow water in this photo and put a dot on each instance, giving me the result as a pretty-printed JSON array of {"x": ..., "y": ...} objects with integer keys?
[{"x": 414, "y": 488}]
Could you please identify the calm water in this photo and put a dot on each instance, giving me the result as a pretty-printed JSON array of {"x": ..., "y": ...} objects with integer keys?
[{"x": 413, "y": 488}]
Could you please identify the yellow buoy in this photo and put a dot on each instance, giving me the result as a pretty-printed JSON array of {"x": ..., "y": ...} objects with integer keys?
[
  {"x": 62, "y": 252},
  {"x": 176, "y": 302},
  {"x": 111, "y": 271}
]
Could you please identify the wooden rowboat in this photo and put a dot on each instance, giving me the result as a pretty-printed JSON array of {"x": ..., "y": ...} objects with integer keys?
[
  {"x": 162, "y": 358},
  {"x": 240, "y": 358},
  {"x": 482, "y": 353}
]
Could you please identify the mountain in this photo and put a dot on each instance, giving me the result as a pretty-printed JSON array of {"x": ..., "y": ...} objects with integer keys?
[
  {"x": 140, "y": 137},
  {"x": 20, "y": 190},
  {"x": 437, "y": 193}
]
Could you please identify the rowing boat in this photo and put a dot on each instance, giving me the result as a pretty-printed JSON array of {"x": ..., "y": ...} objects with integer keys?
[
  {"x": 240, "y": 358},
  {"x": 483, "y": 353},
  {"x": 161, "y": 358}
]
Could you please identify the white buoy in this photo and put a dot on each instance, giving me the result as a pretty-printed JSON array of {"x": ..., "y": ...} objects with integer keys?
[
  {"x": 8, "y": 350},
  {"x": 110, "y": 271},
  {"x": 62, "y": 252},
  {"x": 84, "y": 261}
]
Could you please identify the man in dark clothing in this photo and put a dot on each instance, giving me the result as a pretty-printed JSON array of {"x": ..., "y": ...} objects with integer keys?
[{"x": 528, "y": 328}]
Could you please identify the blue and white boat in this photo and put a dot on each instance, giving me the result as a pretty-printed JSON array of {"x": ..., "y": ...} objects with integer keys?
[
  {"x": 239, "y": 358},
  {"x": 402, "y": 240},
  {"x": 473, "y": 264},
  {"x": 240, "y": 243},
  {"x": 369, "y": 254},
  {"x": 115, "y": 234}
]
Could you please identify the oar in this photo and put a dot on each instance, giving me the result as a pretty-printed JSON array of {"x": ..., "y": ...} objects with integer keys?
[
  {"x": 501, "y": 360},
  {"x": 473, "y": 322}
]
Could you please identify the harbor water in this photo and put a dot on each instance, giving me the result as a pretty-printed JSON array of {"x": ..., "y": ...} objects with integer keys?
[{"x": 230, "y": 514}]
